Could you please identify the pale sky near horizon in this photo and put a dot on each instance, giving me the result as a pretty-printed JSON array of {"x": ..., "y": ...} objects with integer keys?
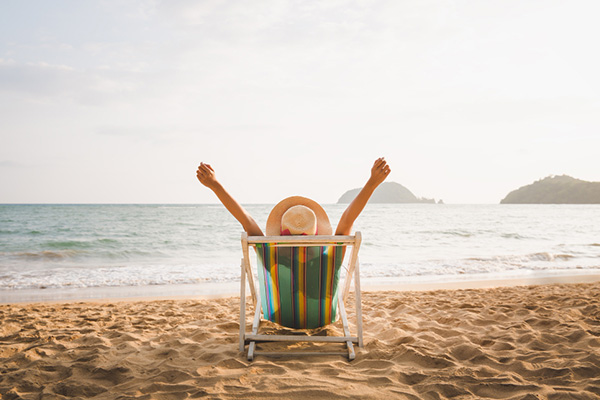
[{"x": 118, "y": 101}]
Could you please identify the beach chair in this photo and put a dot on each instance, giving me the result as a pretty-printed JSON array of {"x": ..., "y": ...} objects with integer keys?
[{"x": 299, "y": 288}]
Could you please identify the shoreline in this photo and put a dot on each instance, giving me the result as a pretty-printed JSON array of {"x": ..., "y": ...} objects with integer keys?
[{"x": 231, "y": 289}]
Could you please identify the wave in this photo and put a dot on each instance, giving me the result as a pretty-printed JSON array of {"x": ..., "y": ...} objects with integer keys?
[
  {"x": 548, "y": 257},
  {"x": 98, "y": 272},
  {"x": 115, "y": 276},
  {"x": 458, "y": 233},
  {"x": 41, "y": 255},
  {"x": 181, "y": 207},
  {"x": 512, "y": 236},
  {"x": 68, "y": 244},
  {"x": 542, "y": 256},
  {"x": 83, "y": 256},
  {"x": 80, "y": 244}
]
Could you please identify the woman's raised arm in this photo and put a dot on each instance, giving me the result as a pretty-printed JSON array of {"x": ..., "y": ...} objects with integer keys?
[
  {"x": 206, "y": 176},
  {"x": 379, "y": 172}
]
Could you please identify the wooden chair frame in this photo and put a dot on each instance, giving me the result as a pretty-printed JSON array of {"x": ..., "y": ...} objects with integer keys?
[{"x": 291, "y": 241}]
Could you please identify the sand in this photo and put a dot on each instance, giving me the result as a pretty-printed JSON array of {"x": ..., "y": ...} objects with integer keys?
[{"x": 526, "y": 342}]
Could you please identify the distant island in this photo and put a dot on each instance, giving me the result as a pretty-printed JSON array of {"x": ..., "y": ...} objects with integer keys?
[
  {"x": 561, "y": 189},
  {"x": 386, "y": 193}
]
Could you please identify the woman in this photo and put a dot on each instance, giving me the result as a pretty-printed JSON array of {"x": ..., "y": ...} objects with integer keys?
[{"x": 379, "y": 172}]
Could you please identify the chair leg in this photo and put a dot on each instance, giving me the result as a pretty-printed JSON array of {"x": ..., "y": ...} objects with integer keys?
[
  {"x": 357, "y": 295},
  {"x": 243, "y": 308},
  {"x": 351, "y": 354},
  {"x": 251, "y": 349},
  {"x": 255, "y": 325},
  {"x": 349, "y": 345}
]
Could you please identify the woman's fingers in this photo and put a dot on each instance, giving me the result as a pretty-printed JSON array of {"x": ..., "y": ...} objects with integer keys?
[
  {"x": 381, "y": 168},
  {"x": 380, "y": 164},
  {"x": 205, "y": 168},
  {"x": 203, "y": 172}
]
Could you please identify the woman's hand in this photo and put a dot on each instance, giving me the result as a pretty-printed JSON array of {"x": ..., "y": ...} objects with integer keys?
[
  {"x": 380, "y": 171},
  {"x": 206, "y": 175}
]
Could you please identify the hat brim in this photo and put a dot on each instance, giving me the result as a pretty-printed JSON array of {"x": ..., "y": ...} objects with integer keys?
[{"x": 274, "y": 220}]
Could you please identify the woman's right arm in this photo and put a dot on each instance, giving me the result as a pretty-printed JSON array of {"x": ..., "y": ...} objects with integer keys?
[{"x": 206, "y": 176}]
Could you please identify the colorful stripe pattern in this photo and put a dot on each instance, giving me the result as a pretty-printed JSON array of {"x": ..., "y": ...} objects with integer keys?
[{"x": 299, "y": 285}]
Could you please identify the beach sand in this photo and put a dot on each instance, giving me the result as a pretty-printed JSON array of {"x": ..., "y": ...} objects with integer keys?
[{"x": 525, "y": 342}]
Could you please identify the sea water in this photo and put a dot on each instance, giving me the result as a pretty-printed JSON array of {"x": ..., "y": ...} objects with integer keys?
[{"x": 84, "y": 246}]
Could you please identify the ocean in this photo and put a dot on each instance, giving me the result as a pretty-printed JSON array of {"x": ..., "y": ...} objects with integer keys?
[{"x": 160, "y": 245}]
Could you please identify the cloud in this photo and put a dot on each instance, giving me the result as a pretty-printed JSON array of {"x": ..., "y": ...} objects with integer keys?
[
  {"x": 36, "y": 78},
  {"x": 10, "y": 164},
  {"x": 43, "y": 80}
]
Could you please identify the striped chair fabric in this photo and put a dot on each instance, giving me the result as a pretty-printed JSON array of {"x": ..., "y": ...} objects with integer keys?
[{"x": 299, "y": 285}]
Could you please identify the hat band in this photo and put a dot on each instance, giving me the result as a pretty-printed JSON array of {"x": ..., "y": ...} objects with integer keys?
[{"x": 286, "y": 232}]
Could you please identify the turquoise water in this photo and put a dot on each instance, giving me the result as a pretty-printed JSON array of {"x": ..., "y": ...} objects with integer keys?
[{"x": 79, "y": 246}]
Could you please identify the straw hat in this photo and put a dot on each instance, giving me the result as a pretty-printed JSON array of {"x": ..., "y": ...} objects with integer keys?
[{"x": 299, "y": 216}]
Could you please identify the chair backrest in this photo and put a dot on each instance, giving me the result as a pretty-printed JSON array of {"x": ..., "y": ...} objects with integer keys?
[
  {"x": 299, "y": 285},
  {"x": 299, "y": 278}
]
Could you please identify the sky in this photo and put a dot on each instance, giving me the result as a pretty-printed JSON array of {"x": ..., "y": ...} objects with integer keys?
[{"x": 119, "y": 101}]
